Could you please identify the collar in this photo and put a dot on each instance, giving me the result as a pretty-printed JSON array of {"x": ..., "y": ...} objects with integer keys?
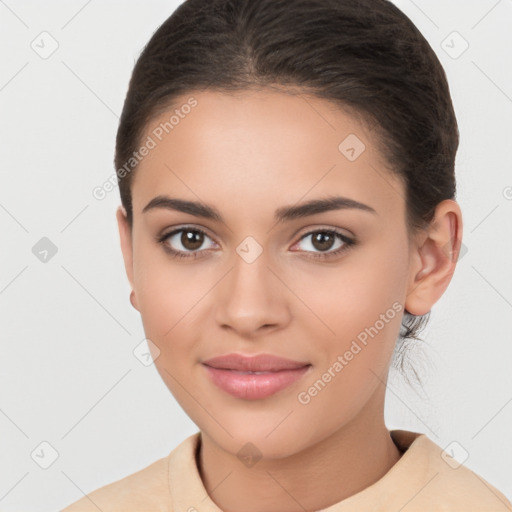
[{"x": 188, "y": 492}]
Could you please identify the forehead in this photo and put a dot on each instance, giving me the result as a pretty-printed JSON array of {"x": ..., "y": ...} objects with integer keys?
[{"x": 251, "y": 145}]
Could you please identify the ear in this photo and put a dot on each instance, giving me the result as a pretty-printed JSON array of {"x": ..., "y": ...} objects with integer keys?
[
  {"x": 435, "y": 252},
  {"x": 125, "y": 235}
]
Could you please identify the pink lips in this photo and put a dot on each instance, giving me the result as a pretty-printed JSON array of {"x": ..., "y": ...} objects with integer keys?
[{"x": 255, "y": 377}]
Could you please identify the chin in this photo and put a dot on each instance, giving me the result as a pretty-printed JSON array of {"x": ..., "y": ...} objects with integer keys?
[{"x": 266, "y": 438}]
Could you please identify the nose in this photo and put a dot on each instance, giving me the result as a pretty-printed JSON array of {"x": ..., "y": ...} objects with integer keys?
[{"x": 251, "y": 299}]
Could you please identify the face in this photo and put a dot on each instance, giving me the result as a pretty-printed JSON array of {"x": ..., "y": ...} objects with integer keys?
[{"x": 325, "y": 287}]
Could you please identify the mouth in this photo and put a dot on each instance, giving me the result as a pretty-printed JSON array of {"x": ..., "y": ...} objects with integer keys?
[
  {"x": 257, "y": 363},
  {"x": 254, "y": 378}
]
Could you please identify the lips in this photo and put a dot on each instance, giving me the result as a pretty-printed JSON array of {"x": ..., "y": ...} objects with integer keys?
[
  {"x": 256, "y": 377},
  {"x": 258, "y": 363}
]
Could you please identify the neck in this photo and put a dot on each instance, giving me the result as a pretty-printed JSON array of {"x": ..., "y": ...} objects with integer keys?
[{"x": 339, "y": 466}]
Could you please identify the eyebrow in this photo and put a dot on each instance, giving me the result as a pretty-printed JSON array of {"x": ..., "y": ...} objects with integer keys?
[{"x": 285, "y": 213}]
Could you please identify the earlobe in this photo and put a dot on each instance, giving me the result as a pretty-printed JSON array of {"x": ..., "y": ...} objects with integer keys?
[
  {"x": 133, "y": 300},
  {"x": 125, "y": 236},
  {"x": 435, "y": 258}
]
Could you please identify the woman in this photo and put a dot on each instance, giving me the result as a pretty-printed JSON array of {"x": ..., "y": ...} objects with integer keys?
[{"x": 288, "y": 220}]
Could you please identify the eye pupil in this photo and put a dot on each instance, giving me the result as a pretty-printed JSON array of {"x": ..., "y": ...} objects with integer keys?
[
  {"x": 323, "y": 240},
  {"x": 192, "y": 240}
]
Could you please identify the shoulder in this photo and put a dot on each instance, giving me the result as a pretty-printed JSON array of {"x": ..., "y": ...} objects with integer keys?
[
  {"x": 462, "y": 487},
  {"x": 146, "y": 489},
  {"x": 448, "y": 485}
]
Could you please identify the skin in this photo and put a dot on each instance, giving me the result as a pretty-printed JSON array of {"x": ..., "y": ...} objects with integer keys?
[{"x": 248, "y": 154}]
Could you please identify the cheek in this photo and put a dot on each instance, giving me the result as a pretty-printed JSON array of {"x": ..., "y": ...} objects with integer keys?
[
  {"x": 347, "y": 298},
  {"x": 352, "y": 365},
  {"x": 167, "y": 292},
  {"x": 168, "y": 300},
  {"x": 360, "y": 305},
  {"x": 173, "y": 303}
]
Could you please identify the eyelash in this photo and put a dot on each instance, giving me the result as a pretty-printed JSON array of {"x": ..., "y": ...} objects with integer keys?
[{"x": 349, "y": 243}]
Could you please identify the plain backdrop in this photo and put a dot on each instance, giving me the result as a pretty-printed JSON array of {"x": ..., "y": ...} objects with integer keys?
[{"x": 78, "y": 408}]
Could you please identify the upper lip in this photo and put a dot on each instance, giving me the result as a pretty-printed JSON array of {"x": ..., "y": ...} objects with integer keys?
[{"x": 258, "y": 363}]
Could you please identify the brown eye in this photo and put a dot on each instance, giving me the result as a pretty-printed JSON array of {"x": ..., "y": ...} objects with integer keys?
[
  {"x": 323, "y": 241},
  {"x": 184, "y": 242},
  {"x": 191, "y": 240}
]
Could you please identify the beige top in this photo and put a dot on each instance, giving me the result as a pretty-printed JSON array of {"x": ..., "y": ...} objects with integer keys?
[{"x": 422, "y": 480}]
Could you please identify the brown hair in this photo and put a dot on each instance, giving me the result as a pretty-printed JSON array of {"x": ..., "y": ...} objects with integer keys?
[{"x": 364, "y": 55}]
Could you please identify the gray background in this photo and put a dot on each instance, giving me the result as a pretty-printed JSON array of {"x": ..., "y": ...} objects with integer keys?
[{"x": 68, "y": 373}]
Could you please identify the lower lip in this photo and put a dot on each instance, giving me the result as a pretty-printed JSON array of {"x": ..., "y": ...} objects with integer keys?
[{"x": 254, "y": 386}]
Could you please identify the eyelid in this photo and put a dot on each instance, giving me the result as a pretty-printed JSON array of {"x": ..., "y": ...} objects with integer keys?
[
  {"x": 348, "y": 240},
  {"x": 165, "y": 233},
  {"x": 301, "y": 234},
  {"x": 316, "y": 228}
]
